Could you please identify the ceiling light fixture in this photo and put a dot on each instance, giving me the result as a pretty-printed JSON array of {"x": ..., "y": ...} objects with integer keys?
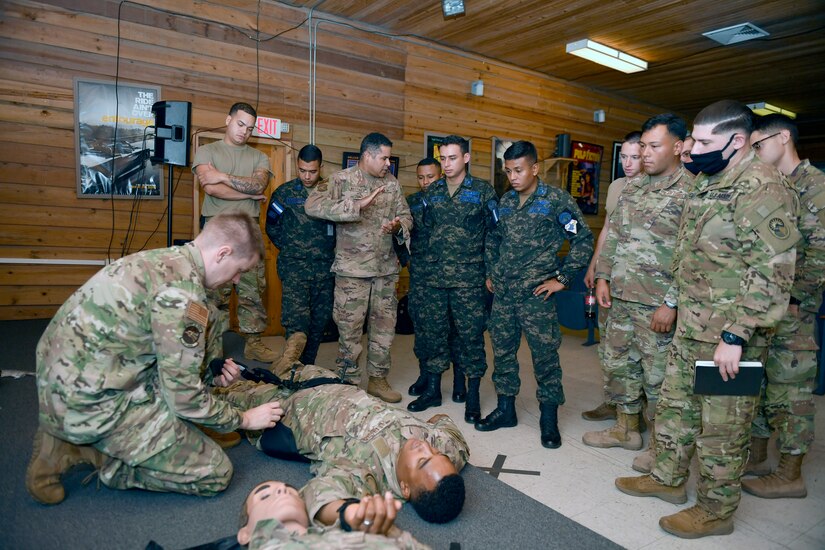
[
  {"x": 764, "y": 108},
  {"x": 452, "y": 8},
  {"x": 607, "y": 56}
]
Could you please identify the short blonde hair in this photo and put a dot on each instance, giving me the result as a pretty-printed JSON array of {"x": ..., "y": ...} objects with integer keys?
[{"x": 236, "y": 229}]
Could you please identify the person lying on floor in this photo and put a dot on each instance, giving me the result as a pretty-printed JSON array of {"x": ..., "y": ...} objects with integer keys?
[
  {"x": 359, "y": 445},
  {"x": 274, "y": 515}
]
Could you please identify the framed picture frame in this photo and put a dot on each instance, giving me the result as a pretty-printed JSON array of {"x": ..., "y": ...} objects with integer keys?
[
  {"x": 616, "y": 169},
  {"x": 111, "y": 143},
  {"x": 350, "y": 159},
  {"x": 499, "y": 179},
  {"x": 583, "y": 182}
]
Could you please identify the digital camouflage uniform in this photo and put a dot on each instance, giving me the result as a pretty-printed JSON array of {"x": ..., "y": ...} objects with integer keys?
[
  {"x": 527, "y": 240},
  {"x": 419, "y": 247},
  {"x": 636, "y": 260},
  {"x": 271, "y": 534},
  {"x": 306, "y": 250},
  {"x": 353, "y": 440},
  {"x": 366, "y": 267},
  {"x": 787, "y": 404},
  {"x": 119, "y": 368},
  {"x": 455, "y": 268},
  {"x": 239, "y": 161},
  {"x": 733, "y": 271}
]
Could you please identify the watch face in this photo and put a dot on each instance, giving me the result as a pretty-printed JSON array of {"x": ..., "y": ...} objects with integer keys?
[{"x": 452, "y": 8}]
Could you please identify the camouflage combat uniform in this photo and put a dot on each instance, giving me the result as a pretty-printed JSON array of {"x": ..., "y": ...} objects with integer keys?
[
  {"x": 366, "y": 267},
  {"x": 353, "y": 440},
  {"x": 119, "y": 368},
  {"x": 636, "y": 260},
  {"x": 787, "y": 405},
  {"x": 271, "y": 534},
  {"x": 306, "y": 250},
  {"x": 239, "y": 161},
  {"x": 733, "y": 271},
  {"x": 527, "y": 240},
  {"x": 419, "y": 248},
  {"x": 455, "y": 268}
]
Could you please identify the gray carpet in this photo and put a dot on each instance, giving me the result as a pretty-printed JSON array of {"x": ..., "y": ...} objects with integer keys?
[{"x": 495, "y": 515}]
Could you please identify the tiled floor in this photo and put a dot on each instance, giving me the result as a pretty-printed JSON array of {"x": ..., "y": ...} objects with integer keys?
[{"x": 577, "y": 480}]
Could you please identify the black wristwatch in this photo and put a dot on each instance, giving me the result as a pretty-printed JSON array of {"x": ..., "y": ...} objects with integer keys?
[
  {"x": 563, "y": 279},
  {"x": 732, "y": 339},
  {"x": 343, "y": 508}
]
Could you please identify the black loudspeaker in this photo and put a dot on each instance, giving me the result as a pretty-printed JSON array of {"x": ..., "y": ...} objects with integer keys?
[
  {"x": 562, "y": 146},
  {"x": 172, "y": 120}
]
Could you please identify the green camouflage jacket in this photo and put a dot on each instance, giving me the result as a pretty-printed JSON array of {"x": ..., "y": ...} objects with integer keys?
[
  {"x": 270, "y": 534},
  {"x": 810, "y": 260}
]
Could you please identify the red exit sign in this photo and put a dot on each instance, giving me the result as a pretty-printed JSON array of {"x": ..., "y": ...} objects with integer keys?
[{"x": 267, "y": 127}]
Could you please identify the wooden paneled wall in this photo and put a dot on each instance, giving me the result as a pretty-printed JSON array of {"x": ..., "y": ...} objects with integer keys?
[{"x": 202, "y": 52}]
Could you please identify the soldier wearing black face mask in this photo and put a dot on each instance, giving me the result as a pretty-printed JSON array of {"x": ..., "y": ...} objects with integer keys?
[{"x": 733, "y": 271}]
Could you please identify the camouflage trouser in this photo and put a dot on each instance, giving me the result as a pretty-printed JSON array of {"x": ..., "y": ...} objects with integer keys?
[
  {"x": 787, "y": 404},
  {"x": 718, "y": 426},
  {"x": 443, "y": 310},
  {"x": 516, "y": 309},
  {"x": 245, "y": 395},
  {"x": 306, "y": 306},
  {"x": 357, "y": 299},
  {"x": 192, "y": 464},
  {"x": 416, "y": 297},
  {"x": 634, "y": 356},
  {"x": 604, "y": 314}
]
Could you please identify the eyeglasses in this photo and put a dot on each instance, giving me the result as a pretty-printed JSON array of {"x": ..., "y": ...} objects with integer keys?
[{"x": 758, "y": 144}]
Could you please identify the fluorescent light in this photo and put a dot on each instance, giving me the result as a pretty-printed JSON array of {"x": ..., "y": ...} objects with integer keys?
[
  {"x": 763, "y": 108},
  {"x": 607, "y": 56}
]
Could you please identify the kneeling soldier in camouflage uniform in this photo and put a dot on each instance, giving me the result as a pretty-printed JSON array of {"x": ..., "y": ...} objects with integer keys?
[
  {"x": 733, "y": 271},
  {"x": 119, "y": 371},
  {"x": 274, "y": 516}
]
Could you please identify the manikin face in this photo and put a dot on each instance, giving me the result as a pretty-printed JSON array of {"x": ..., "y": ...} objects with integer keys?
[
  {"x": 227, "y": 266},
  {"x": 309, "y": 172},
  {"x": 273, "y": 500},
  {"x": 239, "y": 127},
  {"x": 453, "y": 162},
  {"x": 660, "y": 151},
  {"x": 631, "y": 157},
  {"x": 420, "y": 467},
  {"x": 427, "y": 174},
  {"x": 769, "y": 147},
  {"x": 523, "y": 175},
  {"x": 376, "y": 165}
]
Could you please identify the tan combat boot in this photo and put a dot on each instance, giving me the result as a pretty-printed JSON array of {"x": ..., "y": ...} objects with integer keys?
[
  {"x": 785, "y": 482},
  {"x": 646, "y": 486},
  {"x": 624, "y": 434},
  {"x": 380, "y": 388},
  {"x": 758, "y": 460},
  {"x": 644, "y": 462},
  {"x": 52, "y": 457},
  {"x": 293, "y": 349},
  {"x": 224, "y": 440},
  {"x": 257, "y": 350},
  {"x": 696, "y": 522},
  {"x": 605, "y": 411}
]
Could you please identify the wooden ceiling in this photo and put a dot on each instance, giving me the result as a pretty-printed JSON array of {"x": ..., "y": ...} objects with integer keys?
[{"x": 686, "y": 70}]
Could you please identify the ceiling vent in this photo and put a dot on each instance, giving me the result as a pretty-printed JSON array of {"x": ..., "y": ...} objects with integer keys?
[{"x": 736, "y": 33}]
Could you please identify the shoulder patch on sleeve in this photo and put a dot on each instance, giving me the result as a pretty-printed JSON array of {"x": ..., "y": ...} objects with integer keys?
[
  {"x": 198, "y": 313},
  {"x": 322, "y": 188}
]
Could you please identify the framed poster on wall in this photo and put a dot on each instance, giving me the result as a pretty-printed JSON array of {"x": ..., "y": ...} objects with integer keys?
[
  {"x": 111, "y": 140},
  {"x": 500, "y": 181},
  {"x": 616, "y": 169},
  {"x": 583, "y": 184},
  {"x": 350, "y": 159}
]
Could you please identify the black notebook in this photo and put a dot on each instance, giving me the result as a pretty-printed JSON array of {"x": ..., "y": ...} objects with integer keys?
[{"x": 708, "y": 381}]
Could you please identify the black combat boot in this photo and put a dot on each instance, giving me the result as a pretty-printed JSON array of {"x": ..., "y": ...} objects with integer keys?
[
  {"x": 431, "y": 396},
  {"x": 459, "y": 391},
  {"x": 472, "y": 408},
  {"x": 504, "y": 415},
  {"x": 549, "y": 423},
  {"x": 418, "y": 386}
]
